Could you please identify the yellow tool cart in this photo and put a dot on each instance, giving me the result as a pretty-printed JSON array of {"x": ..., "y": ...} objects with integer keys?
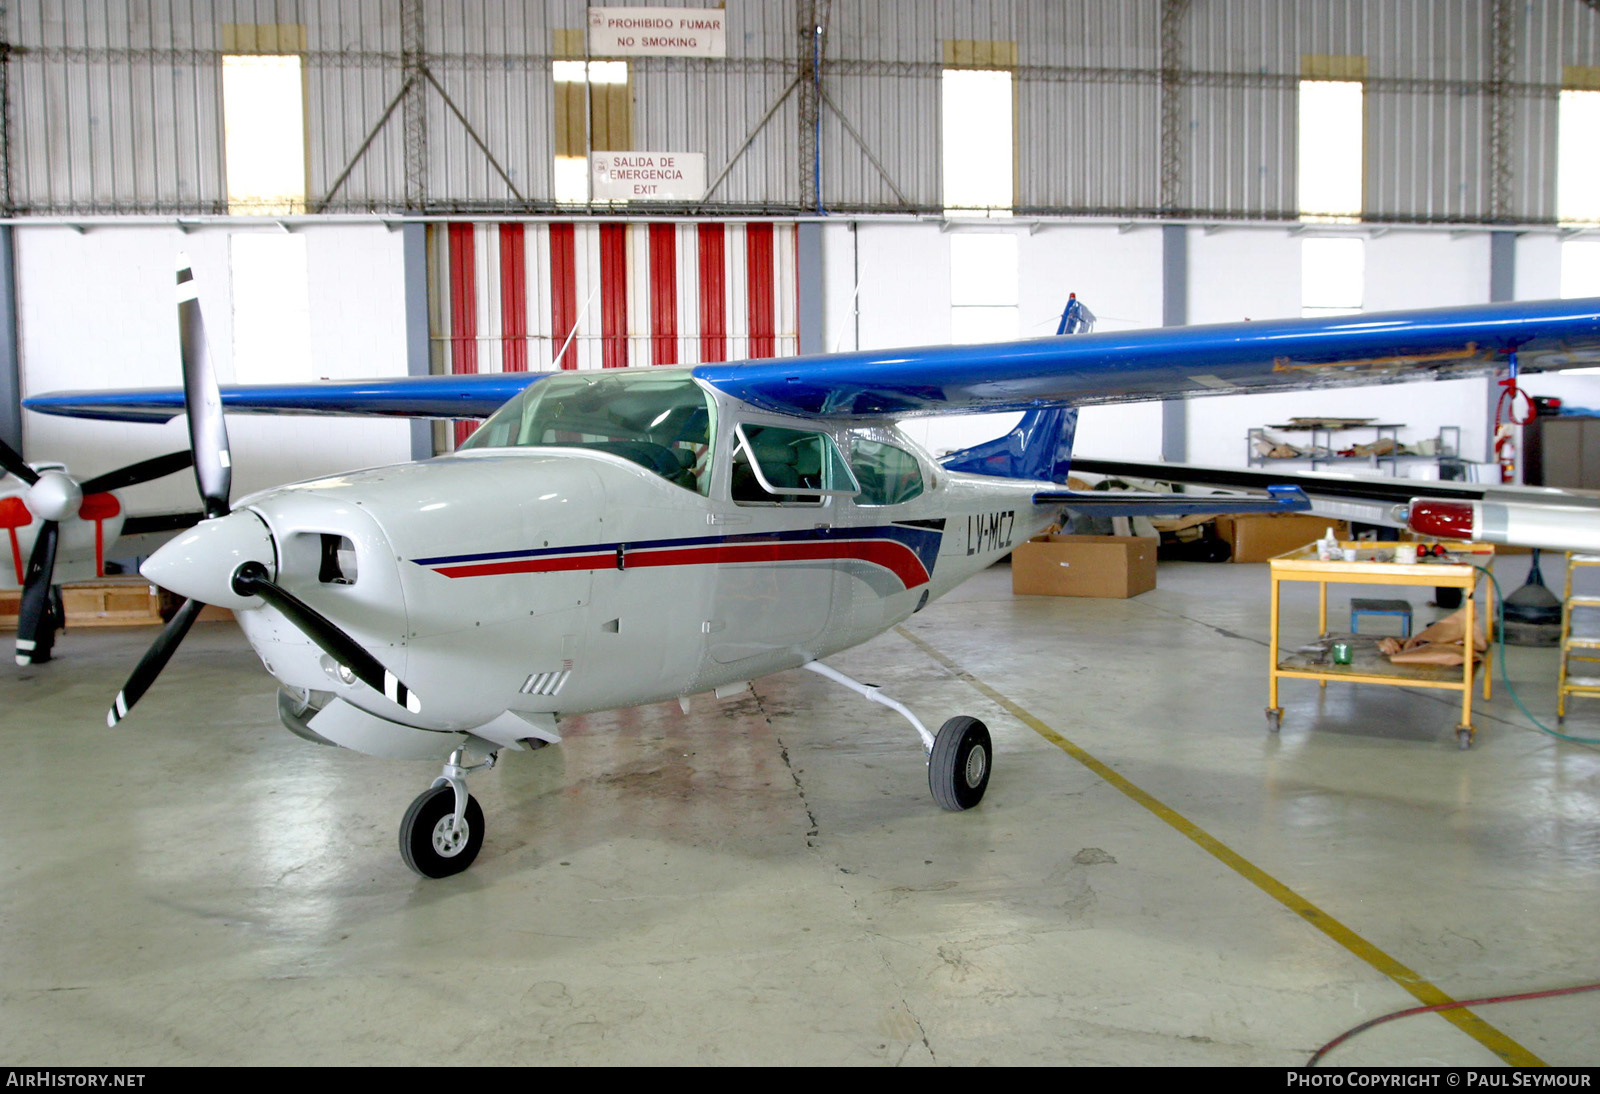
[{"x": 1374, "y": 565}]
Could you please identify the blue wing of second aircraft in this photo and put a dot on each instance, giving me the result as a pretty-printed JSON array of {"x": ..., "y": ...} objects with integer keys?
[{"x": 1084, "y": 369}]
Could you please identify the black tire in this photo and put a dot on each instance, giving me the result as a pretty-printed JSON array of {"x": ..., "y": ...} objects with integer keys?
[
  {"x": 439, "y": 858},
  {"x": 958, "y": 769}
]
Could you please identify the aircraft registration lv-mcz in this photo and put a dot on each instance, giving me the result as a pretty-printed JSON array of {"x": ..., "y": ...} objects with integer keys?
[{"x": 614, "y": 538}]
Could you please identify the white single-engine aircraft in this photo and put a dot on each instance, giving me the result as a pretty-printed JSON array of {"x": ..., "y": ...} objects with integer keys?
[{"x": 614, "y": 538}]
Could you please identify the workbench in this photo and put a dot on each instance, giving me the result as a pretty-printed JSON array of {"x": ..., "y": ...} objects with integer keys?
[{"x": 1368, "y": 665}]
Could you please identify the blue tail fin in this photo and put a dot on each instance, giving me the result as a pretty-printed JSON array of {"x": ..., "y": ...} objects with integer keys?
[{"x": 1040, "y": 447}]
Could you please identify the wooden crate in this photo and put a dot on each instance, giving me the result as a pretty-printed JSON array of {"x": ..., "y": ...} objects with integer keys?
[{"x": 109, "y": 602}]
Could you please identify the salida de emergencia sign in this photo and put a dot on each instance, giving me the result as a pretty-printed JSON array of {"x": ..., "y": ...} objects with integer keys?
[
  {"x": 649, "y": 176},
  {"x": 658, "y": 32}
]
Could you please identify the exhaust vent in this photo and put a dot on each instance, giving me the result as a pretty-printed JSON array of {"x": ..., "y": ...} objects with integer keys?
[{"x": 546, "y": 683}]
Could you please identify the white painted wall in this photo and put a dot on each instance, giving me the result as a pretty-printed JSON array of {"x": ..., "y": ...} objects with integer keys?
[
  {"x": 1255, "y": 273},
  {"x": 96, "y": 310}
]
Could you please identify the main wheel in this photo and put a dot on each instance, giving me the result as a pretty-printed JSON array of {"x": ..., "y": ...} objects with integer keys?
[
  {"x": 958, "y": 769},
  {"x": 430, "y": 844}
]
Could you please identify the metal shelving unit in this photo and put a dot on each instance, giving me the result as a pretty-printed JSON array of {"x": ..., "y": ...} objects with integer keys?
[{"x": 1447, "y": 446}]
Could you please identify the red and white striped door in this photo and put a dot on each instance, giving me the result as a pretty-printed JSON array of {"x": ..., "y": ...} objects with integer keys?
[{"x": 514, "y": 296}]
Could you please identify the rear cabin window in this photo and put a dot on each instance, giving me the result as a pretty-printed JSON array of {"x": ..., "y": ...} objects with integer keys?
[
  {"x": 661, "y": 422},
  {"x": 888, "y": 475}
]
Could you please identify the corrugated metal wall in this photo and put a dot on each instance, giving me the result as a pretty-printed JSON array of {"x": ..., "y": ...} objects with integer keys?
[{"x": 1123, "y": 107}]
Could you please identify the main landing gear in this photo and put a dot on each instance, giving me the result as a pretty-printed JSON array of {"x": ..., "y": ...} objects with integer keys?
[
  {"x": 442, "y": 832},
  {"x": 960, "y": 755}
]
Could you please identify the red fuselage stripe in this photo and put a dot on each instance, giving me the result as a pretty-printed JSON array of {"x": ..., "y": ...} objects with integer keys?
[{"x": 894, "y": 557}]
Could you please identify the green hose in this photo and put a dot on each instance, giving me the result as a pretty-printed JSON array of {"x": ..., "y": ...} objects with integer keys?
[{"x": 1505, "y": 677}]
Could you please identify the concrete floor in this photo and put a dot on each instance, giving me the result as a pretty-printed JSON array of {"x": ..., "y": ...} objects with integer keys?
[{"x": 767, "y": 880}]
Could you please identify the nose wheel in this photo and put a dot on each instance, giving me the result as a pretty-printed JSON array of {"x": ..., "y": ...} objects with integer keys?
[
  {"x": 442, "y": 831},
  {"x": 432, "y": 841}
]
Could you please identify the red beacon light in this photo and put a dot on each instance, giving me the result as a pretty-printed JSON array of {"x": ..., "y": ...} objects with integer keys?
[{"x": 1441, "y": 519}]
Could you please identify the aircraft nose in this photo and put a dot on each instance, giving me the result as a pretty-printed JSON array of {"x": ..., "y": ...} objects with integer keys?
[{"x": 200, "y": 563}]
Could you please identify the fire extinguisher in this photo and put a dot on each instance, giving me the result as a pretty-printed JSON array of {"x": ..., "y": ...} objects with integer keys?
[
  {"x": 1505, "y": 452},
  {"x": 1505, "y": 421}
]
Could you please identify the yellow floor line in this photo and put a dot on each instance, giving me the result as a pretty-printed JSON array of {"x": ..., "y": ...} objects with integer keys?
[{"x": 1430, "y": 994}]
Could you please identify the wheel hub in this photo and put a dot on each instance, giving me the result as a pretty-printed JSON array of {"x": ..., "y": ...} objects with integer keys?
[
  {"x": 977, "y": 764},
  {"x": 449, "y": 838}
]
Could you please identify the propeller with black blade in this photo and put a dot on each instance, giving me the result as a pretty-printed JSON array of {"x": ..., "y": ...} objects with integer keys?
[
  {"x": 54, "y": 496},
  {"x": 208, "y": 433}
]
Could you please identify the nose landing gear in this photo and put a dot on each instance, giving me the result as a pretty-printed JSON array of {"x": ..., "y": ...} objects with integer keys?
[{"x": 442, "y": 831}]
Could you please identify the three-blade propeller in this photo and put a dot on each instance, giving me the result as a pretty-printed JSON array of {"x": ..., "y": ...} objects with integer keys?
[
  {"x": 213, "y": 469},
  {"x": 54, "y": 496}
]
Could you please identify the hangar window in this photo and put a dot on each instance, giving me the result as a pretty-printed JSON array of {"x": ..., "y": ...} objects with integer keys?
[
  {"x": 983, "y": 287},
  {"x": 1577, "y": 167},
  {"x": 607, "y": 126},
  {"x": 1332, "y": 275},
  {"x": 271, "y": 307},
  {"x": 1578, "y": 156},
  {"x": 977, "y": 124},
  {"x": 1331, "y": 148},
  {"x": 263, "y": 120}
]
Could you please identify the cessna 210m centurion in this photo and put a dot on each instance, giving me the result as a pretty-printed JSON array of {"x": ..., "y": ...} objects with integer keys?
[{"x": 701, "y": 526}]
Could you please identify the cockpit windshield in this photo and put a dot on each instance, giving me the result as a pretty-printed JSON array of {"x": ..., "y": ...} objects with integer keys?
[{"x": 661, "y": 420}]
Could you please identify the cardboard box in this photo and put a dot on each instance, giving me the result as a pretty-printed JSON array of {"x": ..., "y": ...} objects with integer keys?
[
  {"x": 1258, "y": 538},
  {"x": 1106, "y": 566}
]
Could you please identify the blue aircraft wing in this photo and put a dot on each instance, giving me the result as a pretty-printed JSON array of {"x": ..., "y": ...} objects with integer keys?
[
  {"x": 471, "y": 396},
  {"x": 1083, "y": 369}
]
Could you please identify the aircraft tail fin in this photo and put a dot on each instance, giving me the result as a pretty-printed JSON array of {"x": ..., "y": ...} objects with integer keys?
[{"x": 1039, "y": 447}]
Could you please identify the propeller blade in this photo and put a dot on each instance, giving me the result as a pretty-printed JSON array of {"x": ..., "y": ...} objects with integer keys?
[
  {"x": 251, "y": 580},
  {"x": 135, "y": 473},
  {"x": 35, "y": 623},
  {"x": 11, "y": 460},
  {"x": 154, "y": 660},
  {"x": 208, "y": 433}
]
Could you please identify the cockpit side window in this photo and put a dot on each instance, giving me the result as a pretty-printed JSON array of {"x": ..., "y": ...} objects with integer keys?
[
  {"x": 771, "y": 460},
  {"x": 661, "y": 422},
  {"x": 887, "y": 473}
]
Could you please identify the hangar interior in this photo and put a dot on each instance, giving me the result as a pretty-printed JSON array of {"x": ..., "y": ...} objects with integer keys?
[{"x": 760, "y": 877}]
